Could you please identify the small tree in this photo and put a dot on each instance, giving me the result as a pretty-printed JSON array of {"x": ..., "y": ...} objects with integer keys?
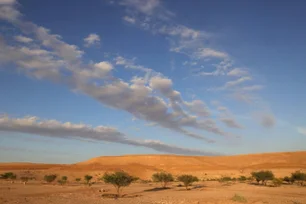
[
  {"x": 277, "y": 182},
  {"x": 298, "y": 176},
  {"x": 162, "y": 177},
  {"x": 242, "y": 178},
  {"x": 187, "y": 180},
  {"x": 78, "y": 179},
  {"x": 50, "y": 178},
  {"x": 87, "y": 178},
  {"x": 263, "y": 176},
  {"x": 119, "y": 180},
  {"x": 288, "y": 179},
  {"x": 63, "y": 180}
]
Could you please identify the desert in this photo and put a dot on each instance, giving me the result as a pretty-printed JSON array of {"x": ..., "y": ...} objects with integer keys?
[{"x": 209, "y": 189}]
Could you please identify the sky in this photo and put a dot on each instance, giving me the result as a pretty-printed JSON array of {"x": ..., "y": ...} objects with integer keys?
[{"x": 81, "y": 79}]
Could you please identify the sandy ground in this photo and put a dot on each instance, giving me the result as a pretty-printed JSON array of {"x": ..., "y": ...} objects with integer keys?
[{"x": 201, "y": 193}]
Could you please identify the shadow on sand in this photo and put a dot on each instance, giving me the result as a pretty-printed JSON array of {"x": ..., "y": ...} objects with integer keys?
[{"x": 156, "y": 189}]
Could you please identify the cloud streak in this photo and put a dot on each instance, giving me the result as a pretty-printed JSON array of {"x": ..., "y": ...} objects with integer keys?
[{"x": 67, "y": 130}]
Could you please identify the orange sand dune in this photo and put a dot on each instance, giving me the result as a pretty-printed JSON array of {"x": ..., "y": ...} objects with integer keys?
[{"x": 204, "y": 166}]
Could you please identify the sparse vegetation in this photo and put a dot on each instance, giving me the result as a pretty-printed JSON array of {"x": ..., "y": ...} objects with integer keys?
[
  {"x": 225, "y": 179},
  {"x": 277, "y": 182},
  {"x": 50, "y": 178},
  {"x": 8, "y": 176},
  {"x": 162, "y": 177},
  {"x": 299, "y": 177},
  {"x": 87, "y": 179},
  {"x": 63, "y": 180},
  {"x": 263, "y": 176},
  {"x": 118, "y": 180},
  {"x": 242, "y": 178},
  {"x": 78, "y": 179},
  {"x": 288, "y": 179},
  {"x": 187, "y": 180},
  {"x": 239, "y": 198}
]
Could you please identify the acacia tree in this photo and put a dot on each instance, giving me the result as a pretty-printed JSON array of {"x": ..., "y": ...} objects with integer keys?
[
  {"x": 263, "y": 176},
  {"x": 87, "y": 178},
  {"x": 298, "y": 176},
  {"x": 119, "y": 180},
  {"x": 162, "y": 177},
  {"x": 187, "y": 180},
  {"x": 50, "y": 178}
]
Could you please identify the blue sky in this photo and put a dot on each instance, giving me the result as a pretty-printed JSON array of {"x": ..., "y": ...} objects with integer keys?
[{"x": 80, "y": 79}]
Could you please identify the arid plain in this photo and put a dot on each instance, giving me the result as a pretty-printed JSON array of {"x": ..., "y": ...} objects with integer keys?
[{"x": 207, "y": 190}]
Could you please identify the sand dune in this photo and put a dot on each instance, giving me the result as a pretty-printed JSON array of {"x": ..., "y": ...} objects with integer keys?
[{"x": 204, "y": 166}]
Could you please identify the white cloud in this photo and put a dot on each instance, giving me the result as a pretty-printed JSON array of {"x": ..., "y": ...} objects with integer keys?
[
  {"x": 230, "y": 122},
  {"x": 130, "y": 64},
  {"x": 252, "y": 88},
  {"x": 23, "y": 39},
  {"x": 92, "y": 39},
  {"x": 238, "y": 72},
  {"x": 67, "y": 130},
  {"x": 134, "y": 97},
  {"x": 208, "y": 52},
  {"x": 143, "y": 6},
  {"x": 302, "y": 130},
  {"x": 237, "y": 82},
  {"x": 7, "y": 2},
  {"x": 198, "y": 107},
  {"x": 129, "y": 19},
  {"x": 179, "y": 30}
]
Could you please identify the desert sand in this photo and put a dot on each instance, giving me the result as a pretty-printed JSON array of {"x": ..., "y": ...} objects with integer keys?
[{"x": 143, "y": 166}]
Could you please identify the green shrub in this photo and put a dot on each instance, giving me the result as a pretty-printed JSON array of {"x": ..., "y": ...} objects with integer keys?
[
  {"x": 8, "y": 175},
  {"x": 187, "y": 180},
  {"x": 263, "y": 176},
  {"x": 242, "y": 178},
  {"x": 87, "y": 179},
  {"x": 162, "y": 177},
  {"x": 225, "y": 179},
  {"x": 277, "y": 182},
  {"x": 239, "y": 198},
  {"x": 288, "y": 179},
  {"x": 50, "y": 178},
  {"x": 118, "y": 180},
  {"x": 78, "y": 179},
  {"x": 299, "y": 177}
]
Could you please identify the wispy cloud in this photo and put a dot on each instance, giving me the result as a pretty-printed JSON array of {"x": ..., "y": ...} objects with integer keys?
[
  {"x": 129, "y": 19},
  {"x": 92, "y": 39},
  {"x": 238, "y": 72},
  {"x": 302, "y": 130},
  {"x": 135, "y": 96},
  {"x": 67, "y": 130},
  {"x": 23, "y": 39}
]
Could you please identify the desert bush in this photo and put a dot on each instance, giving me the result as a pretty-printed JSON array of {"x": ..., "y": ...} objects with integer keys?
[
  {"x": 50, "y": 178},
  {"x": 119, "y": 180},
  {"x": 242, "y": 178},
  {"x": 277, "y": 182},
  {"x": 162, "y": 177},
  {"x": 87, "y": 179},
  {"x": 78, "y": 179},
  {"x": 239, "y": 198},
  {"x": 263, "y": 176},
  {"x": 225, "y": 179},
  {"x": 8, "y": 175},
  {"x": 63, "y": 180},
  {"x": 288, "y": 179},
  {"x": 299, "y": 177},
  {"x": 187, "y": 180}
]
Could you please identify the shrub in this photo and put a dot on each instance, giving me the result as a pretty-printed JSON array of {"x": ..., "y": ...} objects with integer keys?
[
  {"x": 50, "y": 178},
  {"x": 78, "y": 179},
  {"x": 288, "y": 179},
  {"x": 277, "y": 182},
  {"x": 239, "y": 198},
  {"x": 8, "y": 175},
  {"x": 162, "y": 177},
  {"x": 298, "y": 176},
  {"x": 263, "y": 176},
  {"x": 225, "y": 179},
  {"x": 187, "y": 180},
  {"x": 63, "y": 180},
  {"x": 118, "y": 180},
  {"x": 87, "y": 178},
  {"x": 242, "y": 178}
]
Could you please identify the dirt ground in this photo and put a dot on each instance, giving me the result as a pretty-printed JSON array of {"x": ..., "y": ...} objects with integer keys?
[{"x": 209, "y": 192}]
